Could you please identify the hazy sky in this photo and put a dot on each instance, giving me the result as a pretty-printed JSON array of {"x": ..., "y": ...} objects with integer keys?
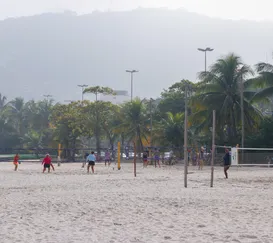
[{"x": 236, "y": 9}]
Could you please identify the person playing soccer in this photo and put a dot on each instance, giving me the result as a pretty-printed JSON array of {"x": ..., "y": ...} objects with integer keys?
[
  {"x": 226, "y": 159},
  {"x": 91, "y": 159},
  {"x": 47, "y": 163},
  {"x": 16, "y": 162},
  {"x": 107, "y": 158}
]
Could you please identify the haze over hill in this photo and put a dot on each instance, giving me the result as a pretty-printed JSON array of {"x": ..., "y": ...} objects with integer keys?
[{"x": 52, "y": 53}]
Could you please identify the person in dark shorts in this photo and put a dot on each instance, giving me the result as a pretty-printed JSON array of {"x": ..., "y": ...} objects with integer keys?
[
  {"x": 91, "y": 159},
  {"x": 47, "y": 163},
  {"x": 145, "y": 159},
  {"x": 226, "y": 159},
  {"x": 157, "y": 157}
]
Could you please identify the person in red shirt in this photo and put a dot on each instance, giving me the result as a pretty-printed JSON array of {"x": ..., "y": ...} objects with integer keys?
[
  {"x": 16, "y": 161},
  {"x": 47, "y": 163}
]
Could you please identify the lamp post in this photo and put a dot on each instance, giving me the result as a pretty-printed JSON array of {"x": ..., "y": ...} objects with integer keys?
[
  {"x": 132, "y": 77},
  {"x": 205, "y": 51},
  {"x": 82, "y": 86}
]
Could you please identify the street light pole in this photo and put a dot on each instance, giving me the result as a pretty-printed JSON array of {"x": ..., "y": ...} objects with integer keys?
[
  {"x": 205, "y": 51},
  {"x": 242, "y": 115},
  {"x": 82, "y": 86},
  {"x": 132, "y": 77}
]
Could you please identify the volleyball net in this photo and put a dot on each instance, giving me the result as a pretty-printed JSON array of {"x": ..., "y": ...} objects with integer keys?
[{"x": 260, "y": 157}]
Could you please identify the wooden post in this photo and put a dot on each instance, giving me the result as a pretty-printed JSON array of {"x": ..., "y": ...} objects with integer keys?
[
  {"x": 59, "y": 154},
  {"x": 151, "y": 131},
  {"x": 213, "y": 148},
  {"x": 135, "y": 157},
  {"x": 119, "y": 156},
  {"x": 186, "y": 139}
]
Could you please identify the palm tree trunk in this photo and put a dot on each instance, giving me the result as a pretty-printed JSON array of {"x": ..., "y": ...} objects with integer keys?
[
  {"x": 97, "y": 136},
  {"x": 140, "y": 144},
  {"x": 234, "y": 129},
  {"x": 97, "y": 132},
  {"x": 122, "y": 144},
  {"x": 73, "y": 149}
]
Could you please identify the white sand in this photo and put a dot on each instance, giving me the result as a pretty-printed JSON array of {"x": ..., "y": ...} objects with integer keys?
[{"x": 112, "y": 206}]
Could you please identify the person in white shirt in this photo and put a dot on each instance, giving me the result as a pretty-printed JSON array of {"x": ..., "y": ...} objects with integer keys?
[{"x": 91, "y": 159}]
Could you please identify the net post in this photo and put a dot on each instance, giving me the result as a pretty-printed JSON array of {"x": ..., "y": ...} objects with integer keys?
[
  {"x": 59, "y": 154},
  {"x": 213, "y": 147},
  {"x": 119, "y": 156},
  {"x": 135, "y": 157},
  {"x": 237, "y": 146},
  {"x": 186, "y": 139}
]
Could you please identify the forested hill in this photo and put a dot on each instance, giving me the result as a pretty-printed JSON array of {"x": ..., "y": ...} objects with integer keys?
[{"x": 52, "y": 53}]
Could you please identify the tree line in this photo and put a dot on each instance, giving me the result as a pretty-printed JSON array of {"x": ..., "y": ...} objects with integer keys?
[{"x": 99, "y": 124}]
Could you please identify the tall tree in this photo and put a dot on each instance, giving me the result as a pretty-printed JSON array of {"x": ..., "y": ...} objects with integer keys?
[
  {"x": 219, "y": 90},
  {"x": 68, "y": 123},
  {"x": 172, "y": 129},
  {"x": 173, "y": 99},
  {"x": 3, "y": 100},
  {"x": 263, "y": 83},
  {"x": 17, "y": 115},
  {"x": 96, "y": 90},
  {"x": 135, "y": 121}
]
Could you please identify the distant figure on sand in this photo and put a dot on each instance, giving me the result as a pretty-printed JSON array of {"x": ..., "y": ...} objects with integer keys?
[
  {"x": 91, "y": 159},
  {"x": 47, "y": 163},
  {"x": 85, "y": 157},
  {"x": 226, "y": 162},
  {"x": 107, "y": 158},
  {"x": 16, "y": 161},
  {"x": 157, "y": 157},
  {"x": 201, "y": 159},
  {"x": 145, "y": 159}
]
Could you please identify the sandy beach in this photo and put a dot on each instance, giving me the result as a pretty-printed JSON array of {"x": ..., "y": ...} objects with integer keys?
[{"x": 111, "y": 206}]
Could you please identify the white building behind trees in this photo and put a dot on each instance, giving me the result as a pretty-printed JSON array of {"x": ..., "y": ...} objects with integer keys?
[{"x": 120, "y": 97}]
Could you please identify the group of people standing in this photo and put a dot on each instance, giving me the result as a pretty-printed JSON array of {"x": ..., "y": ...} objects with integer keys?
[
  {"x": 90, "y": 160},
  {"x": 156, "y": 158},
  {"x": 199, "y": 159}
]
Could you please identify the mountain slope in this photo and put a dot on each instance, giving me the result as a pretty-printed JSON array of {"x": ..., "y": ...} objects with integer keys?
[{"x": 52, "y": 53}]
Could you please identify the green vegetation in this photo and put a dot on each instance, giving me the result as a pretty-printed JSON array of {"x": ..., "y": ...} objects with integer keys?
[{"x": 98, "y": 124}]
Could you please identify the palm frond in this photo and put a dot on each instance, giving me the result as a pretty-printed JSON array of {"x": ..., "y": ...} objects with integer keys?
[{"x": 264, "y": 67}]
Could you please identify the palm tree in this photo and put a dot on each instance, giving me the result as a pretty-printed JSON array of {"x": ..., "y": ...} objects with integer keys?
[
  {"x": 96, "y": 90},
  {"x": 219, "y": 90},
  {"x": 8, "y": 136},
  {"x": 3, "y": 100},
  {"x": 263, "y": 83},
  {"x": 172, "y": 129},
  {"x": 38, "y": 118},
  {"x": 17, "y": 115},
  {"x": 135, "y": 122}
]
